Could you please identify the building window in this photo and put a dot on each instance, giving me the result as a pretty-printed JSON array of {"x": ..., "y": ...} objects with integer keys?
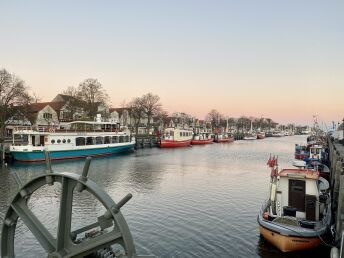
[{"x": 47, "y": 116}]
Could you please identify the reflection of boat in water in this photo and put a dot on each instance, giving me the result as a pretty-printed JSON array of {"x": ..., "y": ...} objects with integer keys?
[
  {"x": 298, "y": 209},
  {"x": 202, "y": 138},
  {"x": 174, "y": 137},
  {"x": 80, "y": 139}
]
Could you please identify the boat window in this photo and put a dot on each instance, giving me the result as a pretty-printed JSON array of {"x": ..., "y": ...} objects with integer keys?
[
  {"x": 121, "y": 138},
  {"x": 64, "y": 140},
  {"x": 181, "y": 134},
  {"x": 58, "y": 141},
  {"x": 68, "y": 140},
  {"x": 99, "y": 140},
  {"x": 127, "y": 138},
  {"x": 107, "y": 139},
  {"x": 89, "y": 141},
  {"x": 52, "y": 141},
  {"x": 79, "y": 141},
  {"x": 114, "y": 139}
]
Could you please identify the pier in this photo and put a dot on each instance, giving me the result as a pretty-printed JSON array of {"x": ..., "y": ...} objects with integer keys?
[{"x": 336, "y": 159}]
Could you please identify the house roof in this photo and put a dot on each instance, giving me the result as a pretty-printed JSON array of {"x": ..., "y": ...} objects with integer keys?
[
  {"x": 36, "y": 107},
  {"x": 119, "y": 110}
]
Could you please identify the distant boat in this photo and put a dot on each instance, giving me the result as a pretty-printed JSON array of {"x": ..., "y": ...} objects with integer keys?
[
  {"x": 260, "y": 135},
  {"x": 298, "y": 211},
  {"x": 277, "y": 134},
  {"x": 202, "y": 138},
  {"x": 223, "y": 137},
  {"x": 81, "y": 139},
  {"x": 174, "y": 137},
  {"x": 250, "y": 135}
]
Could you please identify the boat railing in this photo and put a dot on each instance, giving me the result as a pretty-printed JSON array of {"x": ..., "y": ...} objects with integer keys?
[{"x": 53, "y": 129}]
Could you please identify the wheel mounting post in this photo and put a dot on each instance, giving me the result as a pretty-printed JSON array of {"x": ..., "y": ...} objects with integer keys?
[
  {"x": 84, "y": 176},
  {"x": 49, "y": 178}
]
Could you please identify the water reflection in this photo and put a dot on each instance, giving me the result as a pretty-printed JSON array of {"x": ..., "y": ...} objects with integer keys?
[{"x": 200, "y": 201}]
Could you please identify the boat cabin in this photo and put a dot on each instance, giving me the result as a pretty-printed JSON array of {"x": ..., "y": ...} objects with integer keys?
[
  {"x": 315, "y": 152},
  {"x": 297, "y": 194},
  {"x": 175, "y": 134}
]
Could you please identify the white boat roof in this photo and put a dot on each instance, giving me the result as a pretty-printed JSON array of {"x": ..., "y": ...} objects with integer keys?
[{"x": 92, "y": 122}]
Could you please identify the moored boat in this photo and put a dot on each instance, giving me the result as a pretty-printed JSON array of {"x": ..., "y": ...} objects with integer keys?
[
  {"x": 260, "y": 135},
  {"x": 174, "y": 137},
  {"x": 202, "y": 138},
  {"x": 298, "y": 211},
  {"x": 250, "y": 136},
  {"x": 81, "y": 139},
  {"x": 222, "y": 138}
]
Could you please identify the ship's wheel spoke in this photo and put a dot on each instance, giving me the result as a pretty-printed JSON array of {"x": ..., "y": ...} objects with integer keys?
[
  {"x": 42, "y": 235},
  {"x": 65, "y": 214}
]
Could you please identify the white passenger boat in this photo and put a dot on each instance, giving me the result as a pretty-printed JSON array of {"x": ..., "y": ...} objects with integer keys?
[{"x": 79, "y": 139}]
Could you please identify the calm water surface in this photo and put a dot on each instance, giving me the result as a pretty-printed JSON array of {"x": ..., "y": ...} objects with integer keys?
[{"x": 200, "y": 201}]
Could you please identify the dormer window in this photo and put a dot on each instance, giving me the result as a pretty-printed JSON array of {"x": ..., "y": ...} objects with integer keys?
[{"x": 47, "y": 116}]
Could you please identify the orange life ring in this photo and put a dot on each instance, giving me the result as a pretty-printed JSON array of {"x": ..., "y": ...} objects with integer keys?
[{"x": 51, "y": 130}]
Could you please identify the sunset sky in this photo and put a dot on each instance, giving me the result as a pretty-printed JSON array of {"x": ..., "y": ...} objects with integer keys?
[{"x": 278, "y": 59}]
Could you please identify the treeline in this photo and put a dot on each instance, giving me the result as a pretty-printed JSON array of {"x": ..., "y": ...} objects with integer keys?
[{"x": 90, "y": 98}]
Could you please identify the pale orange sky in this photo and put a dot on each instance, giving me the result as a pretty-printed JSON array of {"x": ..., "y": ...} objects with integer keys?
[{"x": 278, "y": 60}]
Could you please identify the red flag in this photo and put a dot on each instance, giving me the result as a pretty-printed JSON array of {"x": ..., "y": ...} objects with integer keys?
[
  {"x": 273, "y": 162},
  {"x": 268, "y": 163}
]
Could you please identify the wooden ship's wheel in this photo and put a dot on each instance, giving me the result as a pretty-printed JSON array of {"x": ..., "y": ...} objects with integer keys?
[{"x": 109, "y": 237}]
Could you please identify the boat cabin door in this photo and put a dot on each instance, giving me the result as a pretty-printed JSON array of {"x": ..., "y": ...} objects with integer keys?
[
  {"x": 33, "y": 140},
  {"x": 297, "y": 192}
]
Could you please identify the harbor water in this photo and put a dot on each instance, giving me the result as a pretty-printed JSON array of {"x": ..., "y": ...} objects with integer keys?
[{"x": 199, "y": 201}]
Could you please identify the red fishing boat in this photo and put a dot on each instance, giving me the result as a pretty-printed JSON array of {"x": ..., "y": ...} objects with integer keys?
[
  {"x": 174, "y": 137},
  {"x": 220, "y": 138},
  {"x": 260, "y": 135},
  {"x": 200, "y": 139}
]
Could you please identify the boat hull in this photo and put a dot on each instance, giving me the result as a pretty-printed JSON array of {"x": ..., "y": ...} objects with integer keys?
[
  {"x": 260, "y": 136},
  {"x": 288, "y": 243},
  {"x": 174, "y": 144},
  {"x": 37, "y": 156},
  {"x": 223, "y": 140},
  {"x": 201, "y": 142}
]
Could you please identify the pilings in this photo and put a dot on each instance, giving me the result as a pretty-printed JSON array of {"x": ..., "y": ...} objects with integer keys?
[
  {"x": 142, "y": 141},
  {"x": 336, "y": 158}
]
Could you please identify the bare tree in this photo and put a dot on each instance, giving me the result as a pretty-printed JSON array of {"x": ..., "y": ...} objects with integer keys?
[
  {"x": 73, "y": 103},
  {"x": 14, "y": 97},
  {"x": 151, "y": 106},
  {"x": 137, "y": 112},
  {"x": 214, "y": 117},
  {"x": 92, "y": 95}
]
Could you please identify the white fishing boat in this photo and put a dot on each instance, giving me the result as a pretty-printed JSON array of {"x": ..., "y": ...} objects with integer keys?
[
  {"x": 298, "y": 211},
  {"x": 78, "y": 139}
]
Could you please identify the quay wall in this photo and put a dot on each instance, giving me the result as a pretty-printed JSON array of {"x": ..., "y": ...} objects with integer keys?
[{"x": 336, "y": 160}]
